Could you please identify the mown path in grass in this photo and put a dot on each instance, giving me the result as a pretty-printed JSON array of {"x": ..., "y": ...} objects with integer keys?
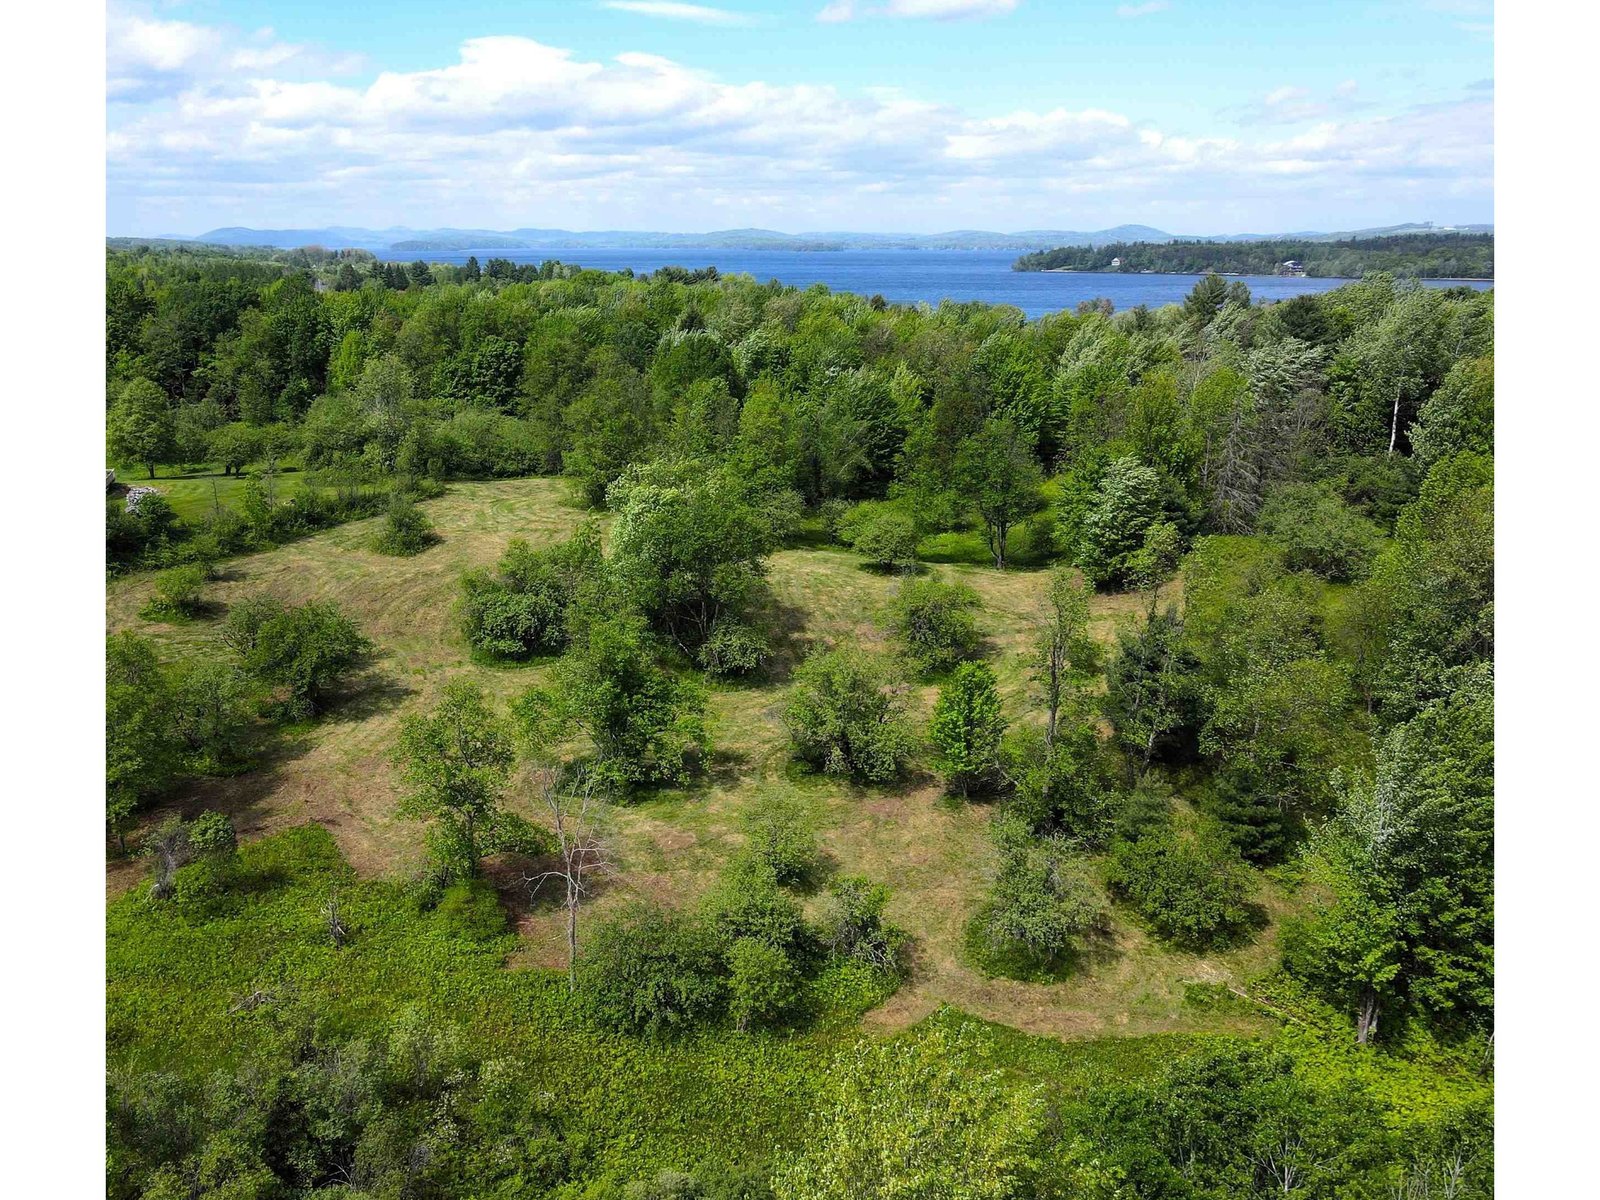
[{"x": 931, "y": 851}]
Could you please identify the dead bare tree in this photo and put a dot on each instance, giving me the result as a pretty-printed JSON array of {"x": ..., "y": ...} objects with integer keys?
[
  {"x": 580, "y": 818},
  {"x": 338, "y": 931}
]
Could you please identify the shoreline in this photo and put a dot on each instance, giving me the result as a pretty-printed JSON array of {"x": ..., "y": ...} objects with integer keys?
[{"x": 1243, "y": 275}]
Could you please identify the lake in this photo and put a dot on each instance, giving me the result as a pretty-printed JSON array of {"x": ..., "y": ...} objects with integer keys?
[{"x": 913, "y": 276}]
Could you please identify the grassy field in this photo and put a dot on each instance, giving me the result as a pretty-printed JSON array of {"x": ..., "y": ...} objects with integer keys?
[
  {"x": 197, "y": 492},
  {"x": 930, "y": 850}
]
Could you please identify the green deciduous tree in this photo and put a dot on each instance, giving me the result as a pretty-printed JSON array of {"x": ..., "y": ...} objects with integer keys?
[
  {"x": 934, "y": 622},
  {"x": 455, "y": 761},
  {"x": 967, "y": 727},
  {"x": 141, "y": 427},
  {"x": 996, "y": 473},
  {"x": 647, "y": 724}
]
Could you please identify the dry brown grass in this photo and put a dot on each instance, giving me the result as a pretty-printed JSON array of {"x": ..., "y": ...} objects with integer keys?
[{"x": 932, "y": 852}]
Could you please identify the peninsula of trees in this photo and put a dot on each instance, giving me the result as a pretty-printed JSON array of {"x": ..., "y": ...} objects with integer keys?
[{"x": 1419, "y": 255}]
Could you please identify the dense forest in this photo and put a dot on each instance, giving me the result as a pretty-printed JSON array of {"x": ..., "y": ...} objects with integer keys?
[
  {"x": 1187, "y": 613},
  {"x": 1413, "y": 255}
]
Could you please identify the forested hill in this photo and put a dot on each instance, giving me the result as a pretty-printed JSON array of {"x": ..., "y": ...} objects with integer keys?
[{"x": 1422, "y": 255}]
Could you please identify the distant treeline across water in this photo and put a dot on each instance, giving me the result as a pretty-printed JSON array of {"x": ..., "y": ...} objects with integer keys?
[{"x": 1421, "y": 255}]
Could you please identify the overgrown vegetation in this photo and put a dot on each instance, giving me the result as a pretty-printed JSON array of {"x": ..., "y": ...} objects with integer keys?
[{"x": 1285, "y": 720}]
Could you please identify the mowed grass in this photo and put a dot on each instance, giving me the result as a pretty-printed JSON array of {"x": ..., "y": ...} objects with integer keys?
[
  {"x": 195, "y": 494},
  {"x": 933, "y": 852}
]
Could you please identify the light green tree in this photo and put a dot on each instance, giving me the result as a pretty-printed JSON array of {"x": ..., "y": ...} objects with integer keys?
[
  {"x": 967, "y": 726},
  {"x": 141, "y": 427}
]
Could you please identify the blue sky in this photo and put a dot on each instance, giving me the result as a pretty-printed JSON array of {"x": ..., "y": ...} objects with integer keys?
[{"x": 1194, "y": 115}]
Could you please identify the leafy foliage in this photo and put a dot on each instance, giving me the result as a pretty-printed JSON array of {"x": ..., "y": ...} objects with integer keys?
[{"x": 845, "y": 716}]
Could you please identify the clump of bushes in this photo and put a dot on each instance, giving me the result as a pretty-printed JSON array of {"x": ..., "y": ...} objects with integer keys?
[
  {"x": 178, "y": 594},
  {"x": 846, "y": 716},
  {"x": 1318, "y": 532},
  {"x": 733, "y": 648},
  {"x": 1062, "y": 788},
  {"x": 207, "y": 843},
  {"x": 884, "y": 536},
  {"x": 1042, "y": 910},
  {"x": 406, "y": 529},
  {"x": 521, "y": 609},
  {"x": 935, "y": 624},
  {"x": 301, "y": 651},
  {"x": 852, "y": 924},
  {"x": 778, "y": 833},
  {"x": 1191, "y": 886},
  {"x": 652, "y": 971}
]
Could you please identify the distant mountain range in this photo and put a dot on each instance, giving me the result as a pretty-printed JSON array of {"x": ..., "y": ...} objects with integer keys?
[{"x": 401, "y": 240}]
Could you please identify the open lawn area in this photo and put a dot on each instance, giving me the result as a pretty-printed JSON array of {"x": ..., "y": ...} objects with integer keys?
[
  {"x": 928, "y": 848},
  {"x": 195, "y": 493}
]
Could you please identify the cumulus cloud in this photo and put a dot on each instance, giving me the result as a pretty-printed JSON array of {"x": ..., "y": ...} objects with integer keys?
[
  {"x": 699, "y": 14},
  {"x": 518, "y": 132}
]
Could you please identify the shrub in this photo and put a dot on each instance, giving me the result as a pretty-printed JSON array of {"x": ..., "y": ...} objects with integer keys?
[
  {"x": 762, "y": 982},
  {"x": 1042, "y": 908},
  {"x": 885, "y": 538},
  {"x": 1319, "y": 532},
  {"x": 210, "y": 711},
  {"x": 208, "y": 841},
  {"x": 522, "y": 609},
  {"x": 651, "y": 971},
  {"x": 178, "y": 593},
  {"x": 846, "y": 716},
  {"x": 647, "y": 723},
  {"x": 1062, "y": 788},
  {"x": 934, "y": 622},
  {"x": 967, "y": 727},
  {"x": 853, "y": 926},
  {"x": 748, "y": 903},
  {"x": 302, "y": 651},
  {"x": 1193, "y": 888},
  {"x": 779, "y": 834},
  {"x": 406, "y": 529},
  {"x": 732, "y": 649}
]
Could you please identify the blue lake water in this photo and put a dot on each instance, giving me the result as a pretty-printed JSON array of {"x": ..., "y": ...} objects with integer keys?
[{"x": 913, "y": 276}]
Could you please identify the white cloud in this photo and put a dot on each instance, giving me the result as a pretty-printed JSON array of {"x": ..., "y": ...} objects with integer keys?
[
  {"x": 849, "y": 10},
  {"x": 699, "y": 14},
  {"x": 517, "y": 132},
  {"x": 1130, "y": 11}
]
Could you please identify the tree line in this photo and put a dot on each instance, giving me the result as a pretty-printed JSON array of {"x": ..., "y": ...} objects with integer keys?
[{"x": 1416, "y": 255}]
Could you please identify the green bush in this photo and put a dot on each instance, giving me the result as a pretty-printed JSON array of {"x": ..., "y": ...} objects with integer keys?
[
  {"x": 1062, "y": 788},
  {"x": 406, "y": 529},
  {"x": 763, "y": 983},
  {"x": 647, "y": 723},
  {"x": 1192, "y": 888},
  {"x": 883, "y": 536},
  {"x": 652, "y": 971},
  {"x": 846, "y": 716},
  {"x": 1042, "y": 910},
  {"x": 852, "y": 924},
  {"x": 521, "y": 609},
  {"x": 934, "y": 622},
  {"x": 747, "y": 902},
  {"x": 778, "y": 832},
  {"x": 967, "y": 727},
  {"x": 302, "y": 652},
  {"x": 1318, "y": 532},
  {"x": 733, "y": 648},
  {"x": 178, "y": 593}
]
